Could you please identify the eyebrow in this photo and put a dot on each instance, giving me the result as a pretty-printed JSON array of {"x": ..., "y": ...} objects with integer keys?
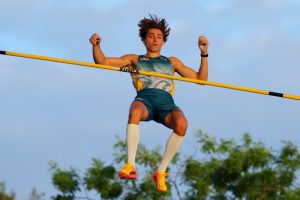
[{"x": 159, "y": 34}]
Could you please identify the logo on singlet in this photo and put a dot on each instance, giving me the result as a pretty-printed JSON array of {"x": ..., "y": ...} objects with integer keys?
[
  {"x": 139, "y": 98},
  {"x": 144, "y": 58}
]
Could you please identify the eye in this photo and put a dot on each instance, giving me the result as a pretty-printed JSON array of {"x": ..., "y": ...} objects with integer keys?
[{"x": 159, "y": 36}]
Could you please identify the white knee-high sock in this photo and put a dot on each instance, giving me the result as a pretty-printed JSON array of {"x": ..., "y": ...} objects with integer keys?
[
  {"x": 133, "y": 139},
  {"x": 172, "y": 145}
]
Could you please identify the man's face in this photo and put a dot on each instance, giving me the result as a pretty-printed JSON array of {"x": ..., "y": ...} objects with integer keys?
[{"x": 154, "y": 40}]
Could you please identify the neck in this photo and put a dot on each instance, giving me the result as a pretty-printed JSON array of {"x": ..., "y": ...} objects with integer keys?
[{"x": 152, "y": 54}]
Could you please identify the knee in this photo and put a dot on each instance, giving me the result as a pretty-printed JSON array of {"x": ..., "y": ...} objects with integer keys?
[{"x": 181, "y": 127}]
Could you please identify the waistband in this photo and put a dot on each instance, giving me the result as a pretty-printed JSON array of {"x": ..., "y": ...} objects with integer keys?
[{"x": 154, "y": 91}]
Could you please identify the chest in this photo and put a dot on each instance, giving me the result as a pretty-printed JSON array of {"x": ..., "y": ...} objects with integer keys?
[{"x": 160, "y": 65}]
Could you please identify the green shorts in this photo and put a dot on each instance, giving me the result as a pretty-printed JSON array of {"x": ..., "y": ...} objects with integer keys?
[{"x": 159, "y": 103}]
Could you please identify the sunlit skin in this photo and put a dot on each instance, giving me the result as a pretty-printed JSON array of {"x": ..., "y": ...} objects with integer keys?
[{"x": 154, "y": 42}]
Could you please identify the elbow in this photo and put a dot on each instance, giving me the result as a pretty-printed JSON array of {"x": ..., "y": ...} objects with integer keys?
[
  {"x": 100, "y": 61},
  {"x": 203, "y": 78}
]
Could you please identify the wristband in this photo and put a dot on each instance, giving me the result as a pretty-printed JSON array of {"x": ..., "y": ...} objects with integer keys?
[{"x": 206, "y": 55}]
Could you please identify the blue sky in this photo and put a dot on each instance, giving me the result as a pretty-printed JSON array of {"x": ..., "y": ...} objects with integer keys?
[{"x": 70, "y": 114}]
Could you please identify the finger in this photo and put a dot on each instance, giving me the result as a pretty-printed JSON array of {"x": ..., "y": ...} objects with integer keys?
[
  {"x": 203, "y": 41},
  {"x": 200, "y": 39},
  {"x": 92, "y": 40},
  {"x": 97, "y": 39}
]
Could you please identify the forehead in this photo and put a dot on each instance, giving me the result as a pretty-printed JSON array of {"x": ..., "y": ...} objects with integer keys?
[{"x": 155, "y": 31}]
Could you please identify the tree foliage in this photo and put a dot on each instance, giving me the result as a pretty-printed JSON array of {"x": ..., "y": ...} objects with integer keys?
[
  {"x": 219, "y": 169},
  {"x": 4, "y": 195},
  {"x": 66, "y": 181},
  {"x": 36, "y": 195}
]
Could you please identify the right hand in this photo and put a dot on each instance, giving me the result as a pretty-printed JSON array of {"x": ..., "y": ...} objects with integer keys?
[
  {"x": 203, "y": 44},
  {"x": 95, "y": 39}
]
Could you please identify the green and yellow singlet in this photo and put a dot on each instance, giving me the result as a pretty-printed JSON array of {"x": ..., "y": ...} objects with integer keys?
[{"x": 160, "y": 65}]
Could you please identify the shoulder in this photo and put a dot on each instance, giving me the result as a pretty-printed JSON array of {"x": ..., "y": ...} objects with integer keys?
[
  {"x": 130, "y": 56},
  {"x": 175, "y": 61},
  {"x": 133, "y": 58}
]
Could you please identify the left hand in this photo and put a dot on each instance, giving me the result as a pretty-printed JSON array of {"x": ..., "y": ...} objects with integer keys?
[{"x": 203, "y": 44}]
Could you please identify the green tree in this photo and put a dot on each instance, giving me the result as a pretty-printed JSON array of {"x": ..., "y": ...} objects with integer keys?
[
  {"x": 36, "y": 195},
  {"x": 102, "y": 179},
  {"x": 242, "y": 171},
  {"x": 218, "y": 169},
  {"x": 4, "y": 195},
  {"x": 66, "y": 181}
]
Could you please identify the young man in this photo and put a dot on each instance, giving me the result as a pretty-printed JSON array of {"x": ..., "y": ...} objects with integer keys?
[{"x": 154, "y": 95}]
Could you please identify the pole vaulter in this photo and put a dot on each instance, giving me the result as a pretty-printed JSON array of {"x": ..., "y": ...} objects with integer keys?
[{"x": 128, "y": 70}]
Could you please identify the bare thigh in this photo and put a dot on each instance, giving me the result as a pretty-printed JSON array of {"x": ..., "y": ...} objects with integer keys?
[
  {"x": 138, "y": 112},
  {"x": 177, "y": 121}
]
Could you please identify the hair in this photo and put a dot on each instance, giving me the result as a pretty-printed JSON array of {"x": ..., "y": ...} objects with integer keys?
[{"x": 153, "y": 22}]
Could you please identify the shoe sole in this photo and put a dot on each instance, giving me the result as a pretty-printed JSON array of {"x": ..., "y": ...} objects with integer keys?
[{"x": 125, "y": 176}]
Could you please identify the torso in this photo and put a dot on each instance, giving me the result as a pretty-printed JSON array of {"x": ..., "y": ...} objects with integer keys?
[{"x": 159, "y": 64}]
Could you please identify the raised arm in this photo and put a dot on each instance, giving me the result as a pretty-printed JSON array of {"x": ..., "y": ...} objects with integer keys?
[
  {"x": 100, "y": 58},
  {"x": 188, "y": 72}
]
